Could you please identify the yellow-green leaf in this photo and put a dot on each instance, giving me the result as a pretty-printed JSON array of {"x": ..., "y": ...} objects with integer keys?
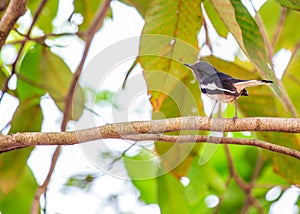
[
  {"x": 42, "y": 71},
  {"x": 28, "y": 117},
  {"x": 215, "y": 18},
  {"x": 88, "y": 10},
  {"x": 290, "y": 4},
  {"x": 139, "y": 5},
  {"x": 47, "y": 14},
  {"x": 169, "y": 39}
]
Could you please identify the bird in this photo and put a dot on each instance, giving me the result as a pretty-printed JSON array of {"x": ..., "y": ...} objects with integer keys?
[{"x": 221, "y": 87}]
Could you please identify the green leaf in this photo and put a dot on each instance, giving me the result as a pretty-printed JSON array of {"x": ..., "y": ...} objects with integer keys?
[
  {"x": 169, "y": 39},
  {"x": 42, "y": 71},
  {"x": 174, "y": 42},
  {"x": 28, "y": 117},
  {"x": 11, "y": 170},
  {"x": 88, "y": 10},
  {"x": 171, "y": 190},
  {"x": 143, "y": 171},
  {"x": 4, "y": 74},
  {"x": 29, "y": 81},
  {"x": 201, "y": 183},
  {"x": 215, "y": 18},
  {"x": 82, "y": 181},
  {"x": 291, "y": 80},
  {"x": 270, "y": 22},
  {"x": 47, "y": 15},
  {"x": 103, "y": 97},
  {"x": 293, "y": 4},
  {"x": 287, "y": 167},
  {"x": 23, "y": 193},
  {"x": 140, "y": 5},
  {"x": 287, "y": 36},
  {"x": 233, "y": 199}
]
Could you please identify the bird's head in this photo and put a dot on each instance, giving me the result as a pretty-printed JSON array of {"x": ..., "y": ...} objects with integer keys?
[{"x": 202, "y": 70}]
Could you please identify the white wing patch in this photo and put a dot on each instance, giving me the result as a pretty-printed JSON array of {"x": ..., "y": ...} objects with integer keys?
[
  {"x": 241, "y": 85},
  {"x": 213, "y": 86}
]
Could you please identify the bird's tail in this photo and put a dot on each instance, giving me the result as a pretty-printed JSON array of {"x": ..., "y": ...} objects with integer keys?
[{"x": 249, "y": 83}]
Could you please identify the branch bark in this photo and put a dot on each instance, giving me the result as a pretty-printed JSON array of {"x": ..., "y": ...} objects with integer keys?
[
  {"x": 15, "y": 9},
  {"x": 157, "y": 129}
]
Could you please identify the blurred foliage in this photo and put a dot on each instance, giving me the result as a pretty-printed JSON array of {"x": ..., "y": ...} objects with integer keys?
[
  {"x": 103, "y": 97},
  {"x": 171, "y": 176},
  {"x": 81, "y": 181}
]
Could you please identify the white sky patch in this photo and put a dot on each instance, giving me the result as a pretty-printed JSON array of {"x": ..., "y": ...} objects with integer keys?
[
  {"x": 253, "y": 5},
  {"x": 8, "y": 54},
  {"x": 212, "y": 201},
  {"x": 287, "y": 202},
  {"x": 8, "y": 106},
  {"x": 280, "y": 61},
  {"x": 185, "y": 181},
  {"x": 273, "y": 193}
]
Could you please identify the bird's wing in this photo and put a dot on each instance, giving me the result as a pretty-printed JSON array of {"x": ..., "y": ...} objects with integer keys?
[
  {"x": 249, "y": 83},
  {"x": 219, "y": 83}
]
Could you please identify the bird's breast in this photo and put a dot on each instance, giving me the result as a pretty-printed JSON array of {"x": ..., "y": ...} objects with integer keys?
[{"x": 223, "y": 98}]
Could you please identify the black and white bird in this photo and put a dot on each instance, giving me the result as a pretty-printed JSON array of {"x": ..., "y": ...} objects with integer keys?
[{"x": 221, "y": 87}]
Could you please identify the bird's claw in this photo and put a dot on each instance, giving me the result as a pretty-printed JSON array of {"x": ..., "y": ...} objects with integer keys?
[{"x": 234, "y": 118}]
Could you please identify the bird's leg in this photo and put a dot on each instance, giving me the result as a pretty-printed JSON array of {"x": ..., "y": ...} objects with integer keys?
[
  {"x": 212, "y": 111},
  {"x": 235, "y": 113}
]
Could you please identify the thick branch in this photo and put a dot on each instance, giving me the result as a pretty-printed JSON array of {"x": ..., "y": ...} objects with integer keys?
[
  {"x": 16, "y": 8},
  {"x": 153, "y": 130}
]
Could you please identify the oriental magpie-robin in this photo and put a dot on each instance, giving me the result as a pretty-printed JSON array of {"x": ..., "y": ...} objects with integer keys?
[{"x": 221, "y": 87}]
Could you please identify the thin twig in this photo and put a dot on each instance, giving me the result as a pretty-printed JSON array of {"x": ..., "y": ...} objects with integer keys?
[
  {"x": 250, "y": 200},
  {"x": 27, "y": 36},
  {"x": 35, "y": 207},
  {"x": 294, "y": 52},
  {"x": 257, "y": 169},
  {"x": 270, "y": 51},
  {"x": 287, "y": 103},
  {"x": 41, "y": 39},
  {"x": 233, "y": 174},
  {"x": 99, "y": 18},
  {"x": 279, "y": 26}
]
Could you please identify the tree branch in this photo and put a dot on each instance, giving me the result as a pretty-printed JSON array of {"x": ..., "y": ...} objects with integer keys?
[
  {"x": 279, "y": 26},
  {"x": 98, "y": 21},
  {"x": 16, "y": 8},
  {"x": 154, "y": 130}
]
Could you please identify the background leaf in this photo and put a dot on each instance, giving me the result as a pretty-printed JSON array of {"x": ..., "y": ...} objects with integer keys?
[
  {"x": 143, "y": 170},
  {"x": 23, "y": 193},
  {"x": 88, "y": 11},
  {"x": 290, "y": 4},
  {"x": 16, "y": 180},
  {"x": 42, "y": 71},
  {"x": 169, "y": 39},
  {"x": 215, "y": 18},
  {"x": 47, "y": 15},
  {"x": 140, "y": 5}
]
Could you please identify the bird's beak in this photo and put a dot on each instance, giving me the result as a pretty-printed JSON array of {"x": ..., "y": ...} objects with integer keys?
[{"x": 189, "y": 65}]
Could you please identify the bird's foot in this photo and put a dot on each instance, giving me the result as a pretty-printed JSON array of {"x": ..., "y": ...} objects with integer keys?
[{"x": 234, "y": 118}]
